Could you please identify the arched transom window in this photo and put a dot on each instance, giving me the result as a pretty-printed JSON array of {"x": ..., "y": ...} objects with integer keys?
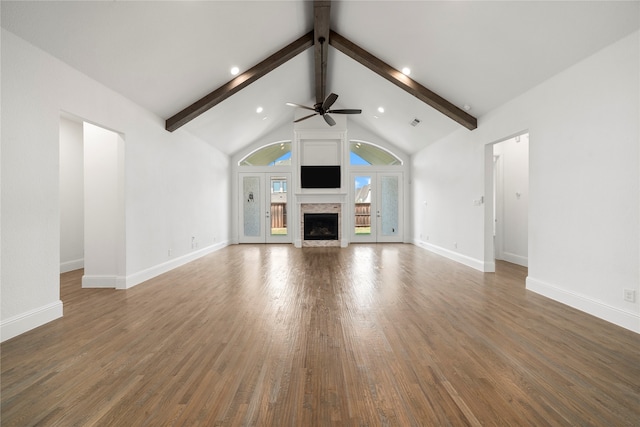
[
  {"x": 366, "y": 154},
  {"x": 276, "y": 154}
]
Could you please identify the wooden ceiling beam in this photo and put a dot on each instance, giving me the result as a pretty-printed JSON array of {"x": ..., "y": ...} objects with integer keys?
[
  {"x": 321, "y": 23},
  {"x": 239, "y": 82},
  {"x": 404, "y": 82}
]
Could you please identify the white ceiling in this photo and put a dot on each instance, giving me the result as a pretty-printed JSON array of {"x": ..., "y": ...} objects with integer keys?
[{"x": 166, "y": 55}]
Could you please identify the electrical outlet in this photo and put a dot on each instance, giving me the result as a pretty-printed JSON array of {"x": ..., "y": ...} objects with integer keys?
[
  {"x": 169, "y": 252},
  {"x": 630, "y": 295}
]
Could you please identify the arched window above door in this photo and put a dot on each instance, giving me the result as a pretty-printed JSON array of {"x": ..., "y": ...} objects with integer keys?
[
  {"x": 366, "y": 154},
  {"x": 276, "y": 154}
]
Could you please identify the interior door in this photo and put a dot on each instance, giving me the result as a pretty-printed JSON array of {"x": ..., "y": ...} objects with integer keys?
[
  {"x": 264, "y": 207},
  {"x": 377, "y": 208}
]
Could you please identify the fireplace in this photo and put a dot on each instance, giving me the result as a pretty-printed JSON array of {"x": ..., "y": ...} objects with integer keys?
[
  {"x": 320, "y": 223},
  {"x": 320, "y": 226}
]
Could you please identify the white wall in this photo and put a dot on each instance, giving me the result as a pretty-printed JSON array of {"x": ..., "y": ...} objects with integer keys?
[
  {"x": 447, "y": 183},
  {"x": 103, "y": 207},
  {"x": 584, "y": 188},
  {"x": 71, "y": 195},
  {"x": 176, "y": 186}
]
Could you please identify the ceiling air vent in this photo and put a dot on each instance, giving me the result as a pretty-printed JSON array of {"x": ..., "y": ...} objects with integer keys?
[{"x": 415, "y": 122}]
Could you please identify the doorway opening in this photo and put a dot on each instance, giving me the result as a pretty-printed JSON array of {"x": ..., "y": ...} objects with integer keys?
[
  {"x": 506, "y": 216},
  {"x": 92, "y": 218}
]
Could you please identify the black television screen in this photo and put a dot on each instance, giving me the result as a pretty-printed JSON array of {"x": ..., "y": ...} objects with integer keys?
[{"x": 320, "y": 176}]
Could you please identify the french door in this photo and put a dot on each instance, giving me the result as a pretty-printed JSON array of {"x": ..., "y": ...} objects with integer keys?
[
  {"x": 263, "y": 207},
  {"x": 377, "y": 207}
]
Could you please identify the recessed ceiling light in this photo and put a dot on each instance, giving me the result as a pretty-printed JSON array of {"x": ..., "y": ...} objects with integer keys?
[
  {"x": 467, "y": 107},
  {"x": 235, "y": 70},
  {"x": 259, "y": 110},
  {"x": 406, "y": 71},
  {"x": 381, "y": 109}
]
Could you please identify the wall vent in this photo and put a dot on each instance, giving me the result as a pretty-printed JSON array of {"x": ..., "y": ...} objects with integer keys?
[{"x": 415, "y": 122}]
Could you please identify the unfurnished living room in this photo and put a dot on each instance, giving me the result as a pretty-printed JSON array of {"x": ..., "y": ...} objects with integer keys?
[{"x": 312, "y": 213}]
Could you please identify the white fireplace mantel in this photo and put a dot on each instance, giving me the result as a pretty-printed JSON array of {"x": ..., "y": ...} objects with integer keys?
[
  {"x": 323, "y": 197},
  {"x": 322, "y": 202}
]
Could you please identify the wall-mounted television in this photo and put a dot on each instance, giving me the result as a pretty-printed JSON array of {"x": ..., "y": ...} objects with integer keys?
[{"x": 320, "y": 176}]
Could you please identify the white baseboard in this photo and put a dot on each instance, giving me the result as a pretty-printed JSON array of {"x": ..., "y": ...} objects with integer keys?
[
  {"x": 95, "y": 281},
  {"x": 149, "y": 273},
  {"x": 617, "y": 316},
  {"x": 516, "y": 259},
  {"x": 28, "y": 320},
  {"x": 456, "y": 256},
  {"x": 75, "y": 264}
]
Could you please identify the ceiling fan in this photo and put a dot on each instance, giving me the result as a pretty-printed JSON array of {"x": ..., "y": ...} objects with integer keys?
[{"x": 324, "y": 109}]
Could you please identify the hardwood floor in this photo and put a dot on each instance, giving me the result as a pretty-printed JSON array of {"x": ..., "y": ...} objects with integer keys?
[{"x": 369, "y": 335}]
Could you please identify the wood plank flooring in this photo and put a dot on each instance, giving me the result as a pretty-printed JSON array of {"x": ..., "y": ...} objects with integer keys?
[{"x": 369, "y": 335}]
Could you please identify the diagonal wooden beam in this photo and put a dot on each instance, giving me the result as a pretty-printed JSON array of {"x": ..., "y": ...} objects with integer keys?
[
  {"x": 404, "y": 82},
  {"x": 238, "y": 83},
  {"x": 321, "y": 18}
]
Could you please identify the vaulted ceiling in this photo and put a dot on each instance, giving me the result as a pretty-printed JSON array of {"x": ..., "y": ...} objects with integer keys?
[{"x": 167, "y": 55}]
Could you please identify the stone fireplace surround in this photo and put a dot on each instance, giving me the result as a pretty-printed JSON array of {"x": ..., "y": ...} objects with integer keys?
[{"x": 321, "y": 208}]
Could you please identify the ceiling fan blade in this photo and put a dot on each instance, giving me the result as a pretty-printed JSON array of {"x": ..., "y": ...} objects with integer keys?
[
  {"x": 291, "y": 104},
  {"x": 345, "y": 111},
  {"x": 329, "y": 120},
  {"x": 304, "y": 118},
  {"x": 329, "y": 101}
]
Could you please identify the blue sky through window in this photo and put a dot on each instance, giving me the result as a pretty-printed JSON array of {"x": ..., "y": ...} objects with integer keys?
[
  {"x": 361, "y": 181},
  {"x": 285, "y": 156},
  {"x": 357, "y": 160}
]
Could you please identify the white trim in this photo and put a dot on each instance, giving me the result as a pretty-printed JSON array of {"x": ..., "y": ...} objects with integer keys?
[
  {"x": 97, "y": 281},
  {"x": 75, "y": 264},
  {"x": 28, "y": 320},
  {"x": 456, "y": 256},
  {"x": 617, "y": 316},
  {"x": 144, "y": 275},
  {"x": 515, "y": 259}
]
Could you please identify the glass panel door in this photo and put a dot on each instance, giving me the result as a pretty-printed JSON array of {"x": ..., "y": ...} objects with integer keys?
[
  {"x": 263, "y": 207},
  {"x": 377, "y": 208},
  {"x": 251, "y": 208},
  {"x": 277, "y": 223},
  {"x": 364, "y": 225},
  {"x": 389, "y": 211}
]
